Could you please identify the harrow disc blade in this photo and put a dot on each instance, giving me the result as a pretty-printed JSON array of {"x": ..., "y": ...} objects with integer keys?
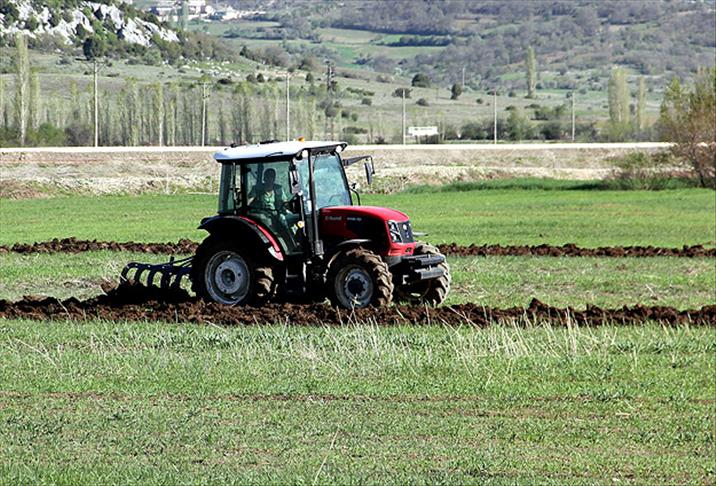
[
  {"x": 170, "y": 273},
  {"x": 177, "y": 281},
  {"x": 150, "y": 277}
]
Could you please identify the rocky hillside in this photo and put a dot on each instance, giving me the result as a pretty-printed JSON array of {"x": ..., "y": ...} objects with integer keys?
[
  {"x": 125, "y": 31},
  {"x": 70, "y": 22}
]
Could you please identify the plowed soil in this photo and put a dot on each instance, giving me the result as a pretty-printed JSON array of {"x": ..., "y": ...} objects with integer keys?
[
  {"x": 136, "y": 302},
  {"x": 573, "y": 250},
  {"x": 187, "y": 247},
  {"x": 73, "y": 245}
]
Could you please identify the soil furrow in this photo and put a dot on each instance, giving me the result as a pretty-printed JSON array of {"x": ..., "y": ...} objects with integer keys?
[
  {"x": 137, "y": 302},
  {"x": 187, "y": 247}
]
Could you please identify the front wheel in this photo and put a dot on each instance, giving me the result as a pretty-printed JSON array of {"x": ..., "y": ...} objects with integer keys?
[
  {"x": 224, "y": 273},
  {"x": 432, "y": 292},
  {"x": 359, "y": 278}
]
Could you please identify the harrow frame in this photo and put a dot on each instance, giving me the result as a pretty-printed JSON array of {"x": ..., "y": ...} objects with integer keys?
[{"x": 171, "y": 272}]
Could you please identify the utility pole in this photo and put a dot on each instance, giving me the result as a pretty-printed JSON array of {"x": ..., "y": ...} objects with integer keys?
[
  {"x": 494, "y": 110},
  {"x": 96, "y": 104},
  {"x": 403, "y": 116},
  {"x": 463, "y": 77},
  {"x": 329, "y": 76},
  {"x": 573, "y": 103},
  {"x": 204, "y": 97},
  {"x": 288, "y": 107}
]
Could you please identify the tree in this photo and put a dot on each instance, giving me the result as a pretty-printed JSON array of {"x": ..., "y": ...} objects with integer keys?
[
  {"x": 3, "y": 120},
  {"x": 531, "y": 72},
  {"x": 618, "y": 95},
  {"x": 171, "y": 113},
  {"x": 518, "y": 126},
  {"x": 688, "y": 119},
  {"x": 94, "y": 47},
  {"x": 158, "y": 112},
  {"x": 455, "y": 91},
  {"x": 398, "y": 93},
  {"x": 640, "y": 104},
  {"x": 132, "y": 110},
  {"x": 420, "y": 80},
  {"x": 34, "y": 102},
  {"x": 22, "y": 85},
  {"x": 184, "y": 15}
]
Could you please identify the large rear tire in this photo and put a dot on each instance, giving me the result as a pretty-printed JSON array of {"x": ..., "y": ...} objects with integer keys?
[
  {"x": 431, "y": 292},
  {"x": 359, "y": 278},
  {"x": 224, "y": 272}
]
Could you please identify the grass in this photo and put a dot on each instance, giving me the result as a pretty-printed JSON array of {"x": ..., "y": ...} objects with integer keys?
[
  {"x": 492, "y": 281},
  {"x": 154, "y": 402},
  {"x": 544, "y": 184},
  {"x": 507, "y": 216}
]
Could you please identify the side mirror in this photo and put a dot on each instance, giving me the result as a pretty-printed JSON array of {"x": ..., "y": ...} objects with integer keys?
[{"x": 369, "y": 171}]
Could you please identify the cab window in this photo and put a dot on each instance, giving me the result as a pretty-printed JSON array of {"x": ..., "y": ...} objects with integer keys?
[{"x": 331, "y": 189}]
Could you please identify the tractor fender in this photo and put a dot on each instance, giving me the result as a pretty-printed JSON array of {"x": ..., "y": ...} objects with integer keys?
[
  {"x": 345, "y": 245},
  {"x": 242, "y": 226}
]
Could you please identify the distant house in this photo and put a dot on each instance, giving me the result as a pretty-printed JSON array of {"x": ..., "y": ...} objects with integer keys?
[{"x": 228, "y": 13}]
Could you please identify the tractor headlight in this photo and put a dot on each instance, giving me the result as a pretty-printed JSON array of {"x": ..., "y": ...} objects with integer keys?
[{"x": 394, "y": 231}]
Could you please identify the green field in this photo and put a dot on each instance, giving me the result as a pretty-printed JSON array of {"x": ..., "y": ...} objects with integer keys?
[
  {"x": 588, "y": 218},
  {"x": 132, "y": 403},
  {"x": 156, "y": 402}
]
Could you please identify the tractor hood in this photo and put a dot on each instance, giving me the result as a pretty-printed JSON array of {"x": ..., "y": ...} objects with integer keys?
[{"x": 383, "y": 214}]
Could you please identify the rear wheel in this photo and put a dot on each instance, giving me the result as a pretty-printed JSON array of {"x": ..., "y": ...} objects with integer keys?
[
  {"x": 225, "y": 273},
  {"x": 359, "y": 278},
  {"x": 432, "y": 292}
]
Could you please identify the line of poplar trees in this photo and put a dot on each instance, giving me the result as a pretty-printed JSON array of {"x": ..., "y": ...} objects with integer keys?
[{"x": 148, "y": 113}]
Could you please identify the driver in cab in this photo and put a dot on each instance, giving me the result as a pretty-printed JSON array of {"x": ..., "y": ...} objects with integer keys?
[
  {"x": 267, "y": 202},
  {"x": 267, "y": 196}
]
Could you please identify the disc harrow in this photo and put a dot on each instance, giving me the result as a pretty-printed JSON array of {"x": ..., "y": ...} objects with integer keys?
[{"x": 170, "y": 273}]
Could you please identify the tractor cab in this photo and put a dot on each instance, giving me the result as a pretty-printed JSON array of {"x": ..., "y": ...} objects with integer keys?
[{"x": 284, "y": 187}]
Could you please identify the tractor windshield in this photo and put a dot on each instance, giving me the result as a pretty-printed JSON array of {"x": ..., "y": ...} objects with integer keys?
[{"x": 330, "y": 181}]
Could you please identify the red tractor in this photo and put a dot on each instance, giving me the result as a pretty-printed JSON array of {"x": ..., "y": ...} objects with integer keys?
[{"x": 287, "y": 228}]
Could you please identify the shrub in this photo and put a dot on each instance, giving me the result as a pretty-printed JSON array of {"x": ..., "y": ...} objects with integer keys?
[
  {"x": 639, "y": 170},
  {"x": 354, "y": 130},
  {"x": 398, "y": 93},
  {"x": 422, "y": 102},
  {"x": 455, "y": 91},
  {"x": 689, "y": 120},
  {"x": 420, "y": 80}
]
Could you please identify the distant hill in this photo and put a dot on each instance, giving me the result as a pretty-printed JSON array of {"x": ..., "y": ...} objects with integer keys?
[{"x": 489, "y": 38}]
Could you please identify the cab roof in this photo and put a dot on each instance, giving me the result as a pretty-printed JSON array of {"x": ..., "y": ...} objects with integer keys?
[{"x": 273, "y": 150}]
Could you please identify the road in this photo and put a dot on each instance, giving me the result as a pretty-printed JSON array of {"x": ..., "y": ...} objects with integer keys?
[{"x": 487, "y": 147}]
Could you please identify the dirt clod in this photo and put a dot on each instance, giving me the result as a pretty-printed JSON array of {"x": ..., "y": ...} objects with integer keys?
[
  {"x": 188, "y": 247},
  {"x": 137, "y": 302}
]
